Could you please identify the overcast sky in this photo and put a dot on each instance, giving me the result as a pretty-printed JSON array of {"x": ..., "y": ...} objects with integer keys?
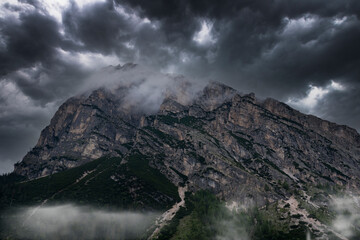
[{"x": 305, "y": 53}]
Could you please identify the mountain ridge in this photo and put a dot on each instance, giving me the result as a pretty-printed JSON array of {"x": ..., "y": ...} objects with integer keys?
[
  {"x": 247, "y": 152},
  {"x": 77, "y": 132}
]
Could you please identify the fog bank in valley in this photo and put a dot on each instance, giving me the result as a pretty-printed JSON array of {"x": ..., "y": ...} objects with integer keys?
[{"x": 77, "y": 222}]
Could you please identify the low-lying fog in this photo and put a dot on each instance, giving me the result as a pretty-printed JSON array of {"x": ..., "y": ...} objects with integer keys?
[
  {"x": 75, "y": 222},
  {"x": 78, "y": 222},
  {"x": 347, "y": 216}
]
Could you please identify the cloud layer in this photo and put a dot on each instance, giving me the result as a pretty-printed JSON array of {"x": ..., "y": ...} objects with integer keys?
[
  {"x": 74, "y": 222},
  {"x": 280, "y": 49}
]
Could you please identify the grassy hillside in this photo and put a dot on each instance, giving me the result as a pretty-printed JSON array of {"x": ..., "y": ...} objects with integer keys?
[{"x": 103, "y": 182}]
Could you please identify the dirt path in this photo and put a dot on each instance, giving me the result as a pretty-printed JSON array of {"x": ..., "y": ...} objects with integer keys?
[{"x": 169, "y": 214}]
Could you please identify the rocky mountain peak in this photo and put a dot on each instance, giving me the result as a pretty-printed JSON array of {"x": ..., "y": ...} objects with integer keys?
[
  {"x": 214, "y": 94},
  {"x": 171, "y": 105},
  {"x": 221, "y": 140},
  {"x": 124, "y": 67},
  {"x": 216, "y": 90}
]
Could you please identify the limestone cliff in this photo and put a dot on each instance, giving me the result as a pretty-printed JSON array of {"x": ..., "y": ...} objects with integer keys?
[{"x": 237, "y": 146}]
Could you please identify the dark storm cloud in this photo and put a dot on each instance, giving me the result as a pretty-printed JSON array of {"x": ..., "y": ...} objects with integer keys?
[
  {"x": 30, "y": 56},
  {"x": 31, "y": 40},
  {"x": 46, "y": 82},
  {"x": 342, "y": 108},
  {"x": 34, "y": 78},
  {"x": 315, "y": 57},
  {"x": 98, "y": 26},
  {"x": 273, "y": 10},
  {"x": 248, "y": 29},
  {"x": 103, "y": 28},
  {"x": 274, "y": 48}
]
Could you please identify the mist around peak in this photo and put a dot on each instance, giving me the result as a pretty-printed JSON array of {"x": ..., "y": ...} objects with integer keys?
[{"x": 142, "y": 89}]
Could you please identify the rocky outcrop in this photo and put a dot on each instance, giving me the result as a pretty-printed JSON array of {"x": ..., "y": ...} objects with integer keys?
[
  {"x": 243, "y": 148},
  {"x": 83, "y": 129},
  {"x": 235, "y": 145}
]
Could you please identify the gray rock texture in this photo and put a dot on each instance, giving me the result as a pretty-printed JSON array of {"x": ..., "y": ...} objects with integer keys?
[{"x": 233, "y": 144}]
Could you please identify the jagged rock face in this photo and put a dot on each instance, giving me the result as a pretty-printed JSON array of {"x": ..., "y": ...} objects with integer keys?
[
  {"x": 238, "y": 145},
  {"x": 235, "y": 145},
  {"x": 83, "y": 129}
]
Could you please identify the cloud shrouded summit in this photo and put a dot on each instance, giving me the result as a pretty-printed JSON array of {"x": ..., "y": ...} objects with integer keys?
[{"x": 294, "y": 51}]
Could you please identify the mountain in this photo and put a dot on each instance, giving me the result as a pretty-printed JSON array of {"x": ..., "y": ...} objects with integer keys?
[{"x": 244, "y": 150}]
